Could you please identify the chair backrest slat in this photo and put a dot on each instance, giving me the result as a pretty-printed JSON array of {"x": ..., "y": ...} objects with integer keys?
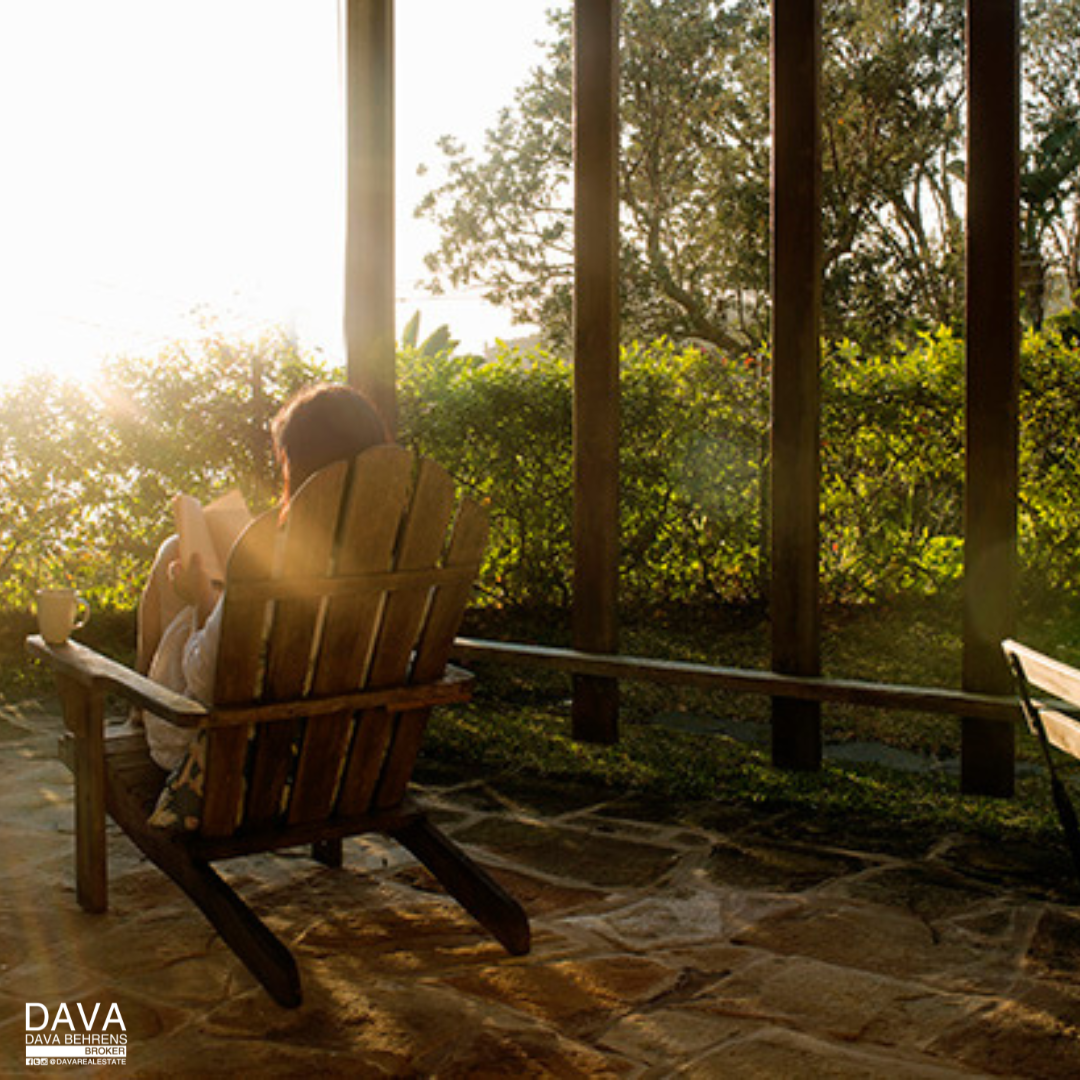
[
  {"x": 367, "y": 756},
  {"x": 377, "y": 499},
  {"x": 467, "y": 544},
  {"x": 422, "y": 543},
  {"x": 1049, "y": 675},
  {"x": 1052, "y": 727},
  {"x": 377, "y": 502},
  {"x": 423, "y": 538},
  {"x": 308, "y": 531},
  {"x": 436, "y": 636},
  {"x": 239, "y": 675},
  {"x": 308, "y": 538}
]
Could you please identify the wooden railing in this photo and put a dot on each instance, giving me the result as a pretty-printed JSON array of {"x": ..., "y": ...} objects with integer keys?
[{"x": 926, "y": 699}]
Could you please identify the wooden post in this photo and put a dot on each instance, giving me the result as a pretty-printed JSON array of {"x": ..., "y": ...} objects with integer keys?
[
  {"x": 796, "y": 398},
  {"x": 596, "y": 359},
  {"x": 370, "y": 338},
  {"x": 993, "y": 350}
]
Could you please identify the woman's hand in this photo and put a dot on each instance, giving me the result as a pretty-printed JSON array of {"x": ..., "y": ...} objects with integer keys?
[{"x": 193, "y": 585}]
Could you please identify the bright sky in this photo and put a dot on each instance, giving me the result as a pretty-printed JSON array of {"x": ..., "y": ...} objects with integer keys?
[{"x": 164, "y": 159}]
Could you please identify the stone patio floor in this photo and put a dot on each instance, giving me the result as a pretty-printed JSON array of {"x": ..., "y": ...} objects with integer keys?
[{"x": 711, "y": 942}]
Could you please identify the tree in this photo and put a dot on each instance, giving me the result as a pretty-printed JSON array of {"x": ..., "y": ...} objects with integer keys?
[
  {"x": 49, "y": 472},
  {"x": 695, "y": 171},
  {"x": 87, "y": 476},
  {"x": 694, "y": 181},
  {"x": 1050, "y": 182},
  {"x": 892, "y": 146},
  {"x": 196, "y": 418}
]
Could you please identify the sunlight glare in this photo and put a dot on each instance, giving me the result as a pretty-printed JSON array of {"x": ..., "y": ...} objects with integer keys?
[{"x": 185, "y": 162}]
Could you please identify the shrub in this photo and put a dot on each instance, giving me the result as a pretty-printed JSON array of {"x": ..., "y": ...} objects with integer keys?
[
  {"x": 694, "y": 466},
  {"x": 691, "y": 458},
  {"x": 892, "y": 469},
  {"x": 502, "y": 427},
  {"x": 1049, "y": 508},
  {"x": 87, "y": 474}
]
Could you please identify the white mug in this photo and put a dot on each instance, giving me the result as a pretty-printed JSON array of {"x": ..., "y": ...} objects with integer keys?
[{"x": 60, "y": 611}]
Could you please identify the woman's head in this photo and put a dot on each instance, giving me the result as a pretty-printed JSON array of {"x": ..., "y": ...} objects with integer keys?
[{"x": 320, "y": 425}]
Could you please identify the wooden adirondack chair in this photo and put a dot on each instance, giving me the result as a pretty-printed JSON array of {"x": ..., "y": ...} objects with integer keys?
[{"x": 337, "y": 626}]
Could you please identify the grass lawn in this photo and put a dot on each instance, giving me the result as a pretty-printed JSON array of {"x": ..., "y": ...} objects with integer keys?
[
  {"x": 687, "y": 745},
  {"x": 682, "y": 746}
]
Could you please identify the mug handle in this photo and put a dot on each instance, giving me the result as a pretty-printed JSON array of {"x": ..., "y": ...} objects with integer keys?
[{"x": 82, "y": 613}]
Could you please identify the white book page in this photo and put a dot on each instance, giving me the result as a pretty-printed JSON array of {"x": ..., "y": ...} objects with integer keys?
[{"x": 195, "y": 537}]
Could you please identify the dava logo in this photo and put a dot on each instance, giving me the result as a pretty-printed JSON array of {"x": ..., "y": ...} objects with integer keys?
[
  {"x": 63, "y": 1017},
  {"x": 59, "y": 1040}
]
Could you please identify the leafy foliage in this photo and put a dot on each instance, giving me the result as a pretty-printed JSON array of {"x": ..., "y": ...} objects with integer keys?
[
  {"x": 1050, "y": 456},
  {"x": 1050, "y": 183},
  {"x": 694, "y": 181},
  {"x": 893, "y": 469},
  {"x": 502, "y": 427},
  {"x": 892, "y": 146},
  {"x": 694, "y": 172},
  {"x": 691, "y": 456},
  {"x": 49, "y": 473},
  {"x": 88, "y": 475},
  {"x": 695, "y": 466}
]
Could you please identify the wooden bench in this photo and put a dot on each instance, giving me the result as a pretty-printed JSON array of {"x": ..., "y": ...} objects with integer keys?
[{"x": 1054, "y": 721}]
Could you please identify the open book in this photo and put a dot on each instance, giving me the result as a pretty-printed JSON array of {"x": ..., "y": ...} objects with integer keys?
[{"x": 210, "y": 531}]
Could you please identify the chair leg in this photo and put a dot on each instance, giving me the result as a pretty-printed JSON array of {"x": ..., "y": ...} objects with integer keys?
[
  {"x": 240, "y": 928},
  {"x": 84, "y": 716},
  {"x": 482, "y": 897},
  {"x": 245, "y": 933},
  {"x": 328, "y": 852},
  {"x": 1067, "y": 817}
]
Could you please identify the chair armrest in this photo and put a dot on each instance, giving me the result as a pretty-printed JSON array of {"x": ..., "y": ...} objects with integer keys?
[{"x": 91, "y": 669}]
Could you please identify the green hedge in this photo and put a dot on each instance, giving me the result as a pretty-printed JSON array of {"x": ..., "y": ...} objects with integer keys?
[
  {"x": 695, "y": 466},
  {"x": 86, "y": 472},
  {"x": 692, "y": 460}
]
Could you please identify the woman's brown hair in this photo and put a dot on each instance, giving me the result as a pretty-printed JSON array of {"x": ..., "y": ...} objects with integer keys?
[{"x": 322, "y": 424}]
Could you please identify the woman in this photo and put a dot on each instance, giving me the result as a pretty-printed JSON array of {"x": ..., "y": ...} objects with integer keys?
[{"x": 179, "y": 618}]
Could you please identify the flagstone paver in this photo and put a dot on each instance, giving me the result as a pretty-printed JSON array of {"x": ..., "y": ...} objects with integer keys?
[{"x": 717, "y": 943}]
